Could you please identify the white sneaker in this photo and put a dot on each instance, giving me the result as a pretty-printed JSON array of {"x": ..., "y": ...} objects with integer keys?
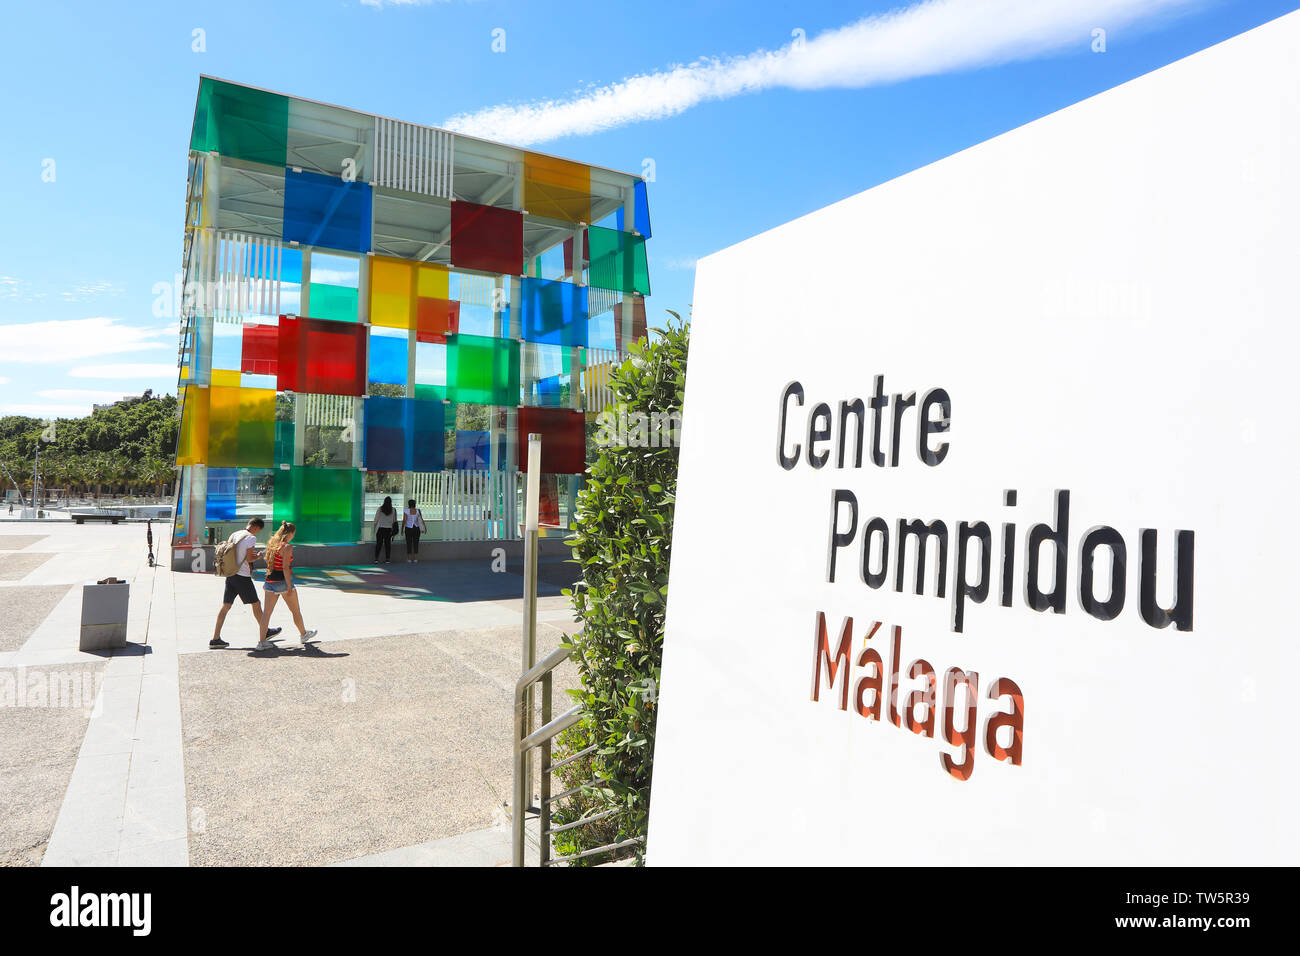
[
  {"x": 264, "y": 646},
  {"x": 307, "y": 636}
]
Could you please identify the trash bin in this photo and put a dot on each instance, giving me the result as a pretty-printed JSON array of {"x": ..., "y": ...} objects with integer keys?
[{"x": 103, "y": 614}]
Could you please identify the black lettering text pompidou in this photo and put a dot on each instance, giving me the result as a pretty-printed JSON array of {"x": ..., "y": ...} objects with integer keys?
[{"x": 970, "y": 563}]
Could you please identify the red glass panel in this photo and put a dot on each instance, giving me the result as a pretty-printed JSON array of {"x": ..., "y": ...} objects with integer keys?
[
  {"x": 564, "y": 439},
  {"x": 638, "y": 323},
  {"x": 261, "y": 348},
  {"x": 320, "y": 356},
  {"x": 548, "y": 500},
  {"x": 435, "y": 319},
  {"x": 487, "y": 238}
]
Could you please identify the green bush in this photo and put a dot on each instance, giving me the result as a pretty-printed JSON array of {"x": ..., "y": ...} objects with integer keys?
[{"x": 622, "y": 540}]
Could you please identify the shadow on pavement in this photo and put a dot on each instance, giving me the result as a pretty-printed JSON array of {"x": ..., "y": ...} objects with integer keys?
[
  {"x": 129, "y": 650},
  {"x": 295, "y": 650},
  {"x": 450, "y": 581}
]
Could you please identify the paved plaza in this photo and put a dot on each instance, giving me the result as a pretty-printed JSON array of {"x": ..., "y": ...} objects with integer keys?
[{"x": 387, "y": 743}]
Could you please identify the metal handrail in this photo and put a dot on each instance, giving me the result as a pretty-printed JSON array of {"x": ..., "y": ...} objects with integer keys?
[
  {"x": 526, "y": 738},
  {"x": 526, "y": 742},
  {"x": 540, "y": 739}
]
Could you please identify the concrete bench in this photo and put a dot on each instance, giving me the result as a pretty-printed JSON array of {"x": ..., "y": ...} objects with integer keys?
[{"x": 82, "y": 519}]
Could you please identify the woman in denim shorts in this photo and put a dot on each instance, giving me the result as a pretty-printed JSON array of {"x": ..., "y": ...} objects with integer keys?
[{"x": 279, "y": 583}]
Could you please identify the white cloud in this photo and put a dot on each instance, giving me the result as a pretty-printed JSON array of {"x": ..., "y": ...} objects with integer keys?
[
  {"x": 88, "y": 290},
  {"x": 127, "y": 370},
  {"x": 64, "y": 340},
  {"x": 924, "y": 39},
  {"x": 80, "y": 410},
  {"x": 15, "y": 288},
  {"x": 81, "y": 395}
]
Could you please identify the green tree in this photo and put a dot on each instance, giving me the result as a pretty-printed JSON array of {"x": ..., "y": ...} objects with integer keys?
[
  {"x": 139, "y": 431},
  {"x": 623, "y": 539}
]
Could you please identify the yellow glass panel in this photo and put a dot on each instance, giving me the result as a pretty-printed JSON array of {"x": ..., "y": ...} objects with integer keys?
[
  {"x": 391, "y": 302},
  {"x": 557, "y": 188},
  {"x": 225, "y": 378},
  {"x": 434, "y": 283},
  {"x": 192, "y": 446}
]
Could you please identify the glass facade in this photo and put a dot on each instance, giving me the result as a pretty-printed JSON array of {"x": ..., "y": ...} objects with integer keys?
[{"x": 391, "y": 309}]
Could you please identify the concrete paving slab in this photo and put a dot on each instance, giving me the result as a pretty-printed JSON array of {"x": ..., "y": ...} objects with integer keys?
[
  {"x": 16, "y": 565},
  {"x": 23, "y": 609},
  {"x": 90, "y": 819},
  {"x": 489, "y": 847},
  {"x": 392, "y": 733},
  {"x": 39, "y": 743},
  {"x": 16, "y": 542},
  {"x": 312, "y": 757}
]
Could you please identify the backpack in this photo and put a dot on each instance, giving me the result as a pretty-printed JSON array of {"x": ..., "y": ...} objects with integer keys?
[{"x": 227, "y": 558}]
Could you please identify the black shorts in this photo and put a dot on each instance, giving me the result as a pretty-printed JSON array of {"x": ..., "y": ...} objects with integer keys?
[{"x": 237, "y": 585}]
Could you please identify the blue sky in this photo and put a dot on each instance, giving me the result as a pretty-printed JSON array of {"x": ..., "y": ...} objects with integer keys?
[{"x": 770, "y": 125}]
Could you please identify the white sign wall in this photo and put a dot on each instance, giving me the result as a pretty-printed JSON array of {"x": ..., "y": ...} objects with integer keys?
[{"x": 1104, "y": 302}]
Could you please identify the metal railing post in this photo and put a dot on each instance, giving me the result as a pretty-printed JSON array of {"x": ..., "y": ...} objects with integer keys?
[
  {"x": 530, "y": 588},
  {"x": 544, "y": 801},
  {"x": 520, "y": 805}
]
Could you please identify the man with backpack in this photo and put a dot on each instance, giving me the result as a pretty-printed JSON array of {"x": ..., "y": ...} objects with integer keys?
[{"x": 234, "y": 562}]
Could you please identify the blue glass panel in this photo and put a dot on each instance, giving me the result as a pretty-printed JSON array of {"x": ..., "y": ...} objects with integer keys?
[
  {"x": 222, "y": 483},
  {"x": 324, "y": 211},
  {"x": 480, "y": 320},
  {"x": 601, "y": 331},
  {"x": 385, "y": 448},
  {"x": 428, "y": 446},
  {"x": 388, "y": 358},
  {"x": 640, "y": 218},
  {"x": 404, "y": 434},
  {"x": 548, "y": 391},
  {"x": 227, "y": 346},
  {"x": 290, "y": 281},
  {"x": 473, "y": 451},
  {"x": 554, "y": 312}
]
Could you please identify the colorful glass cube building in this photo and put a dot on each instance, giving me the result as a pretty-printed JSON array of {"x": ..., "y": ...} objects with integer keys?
[{"x": 376, "y": 308}]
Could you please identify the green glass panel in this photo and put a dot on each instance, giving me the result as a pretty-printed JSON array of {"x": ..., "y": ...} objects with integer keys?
[
  {"x": 223, "y": 427},
  {"x": 324, "y": 503},
  {"x": 284, "y": 433},
  {"x": 332, "y": 302},
  {"x": 288, "y": 496},
  {"x": 256, "y": 444},
  {"x": 482, "y": 370},
  {"x": 430, "y": 393},
  {"x": 241, "y": 122},
  {"x": 618, "y": 261}
]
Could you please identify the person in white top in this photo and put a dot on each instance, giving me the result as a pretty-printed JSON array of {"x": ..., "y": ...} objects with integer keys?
[
  {"x": 414, "y": 527},
  {"x": 385, "y": 528},
  {"x": 240, "y": 584}
]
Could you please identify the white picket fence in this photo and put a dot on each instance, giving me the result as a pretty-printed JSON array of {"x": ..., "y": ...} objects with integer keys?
[
  {"x": 599, "y": 365},
  {"x": 470, "y": 505}
]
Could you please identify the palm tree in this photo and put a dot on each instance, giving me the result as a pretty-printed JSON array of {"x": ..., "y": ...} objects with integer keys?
[
  {"x": 96, "y": 471},
  {"x": 76, "y": 471}
]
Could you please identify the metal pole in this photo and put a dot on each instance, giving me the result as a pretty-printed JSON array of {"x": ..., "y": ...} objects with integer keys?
[
  {"x": 519, "y": 807},
  {"x": 530, "y": 584},
  {"x": 544, "y": 797},
  {"x": 524, "y": 698}
]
